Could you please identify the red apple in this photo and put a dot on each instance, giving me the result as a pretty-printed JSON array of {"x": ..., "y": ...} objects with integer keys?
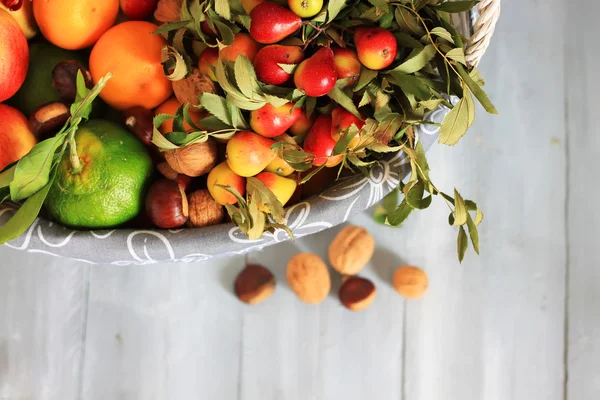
[
  {"x": 138, "y": 10},
  {"x": 320, "y": 143},
  {"x": 267, "y": 60},
  {"x": 14, "y": 56}
]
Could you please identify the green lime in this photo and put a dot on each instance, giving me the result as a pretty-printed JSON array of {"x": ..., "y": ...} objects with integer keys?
[
  {"x": 109, "y": 190},
  {"x": 37, "y": 88}
]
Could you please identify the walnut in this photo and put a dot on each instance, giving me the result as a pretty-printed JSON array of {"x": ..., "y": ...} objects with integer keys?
[
  {"x": 410, "y": 282},
  {"x": 193, "y": 160},
  {"x": 168, "y": 10},
  {"x": 189, "y": 89},
  {"x": 308, "y": 277},
  {"x": 351, "y": 250},
  {"x": 203, "y": 210}
]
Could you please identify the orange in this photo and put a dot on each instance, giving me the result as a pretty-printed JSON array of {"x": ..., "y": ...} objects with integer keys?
[
  {"x": 133, "y": 55},
  {"x": 170, "y": 107},
  {"x": 75, "y": 24}
]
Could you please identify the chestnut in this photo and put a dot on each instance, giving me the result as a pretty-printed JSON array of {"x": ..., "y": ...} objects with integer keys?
[
  {"x": 357, "y": 293},
  {"x": 140, "y": 122},
  {"x": 167, "y": 204}
]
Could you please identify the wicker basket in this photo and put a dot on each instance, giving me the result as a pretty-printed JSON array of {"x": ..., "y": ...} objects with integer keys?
[{"x": 334, "y": 206}]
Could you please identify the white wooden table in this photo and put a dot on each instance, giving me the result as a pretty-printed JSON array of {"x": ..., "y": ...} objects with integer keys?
[{"x": 511, "y": 324}]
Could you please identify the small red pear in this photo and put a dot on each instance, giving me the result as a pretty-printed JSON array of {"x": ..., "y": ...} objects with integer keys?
[
  {"x": 316, "y": 76},
  {"x": 271, "y": 23},
  {"x": 267, "y": 60},
  {"x": 270, "y": 121},
  {"x": 375, "y": 46},
  {"x": 346, "y": 64},
  {"x": 341, "y": 120},
  {"x": 320, "y": 143}
]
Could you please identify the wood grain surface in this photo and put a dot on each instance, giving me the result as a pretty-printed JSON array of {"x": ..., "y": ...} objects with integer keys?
[{"x": 520, "y": 322}]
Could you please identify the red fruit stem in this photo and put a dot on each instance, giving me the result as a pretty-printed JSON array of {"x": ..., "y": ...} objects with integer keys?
[{"x": 12, "y": 5}]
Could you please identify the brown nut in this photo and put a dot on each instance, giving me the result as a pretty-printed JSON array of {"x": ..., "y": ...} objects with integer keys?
[
  {"x": 189, "y": 89},
  {"x": 194, "y": 160},
  {"x": 204, "y": 211},
  {"x": 168, "y": 10},
  {"x": 64, "y": 79},
  {"x": 165, "y": 170},
  {"x": 357, "y": 293},
  {"x": 139, "y": 121},
  {"x": 308, "y": 277},
  {"x": 351, "y": 250},
  {"x": 167, "y": 204},
  {"x": 254, "y": 284},
  {"x": 49, "y": 118},
  {"x": 411, "y": 282}
]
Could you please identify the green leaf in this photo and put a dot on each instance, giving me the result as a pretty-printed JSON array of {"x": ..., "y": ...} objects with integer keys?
[
  {"x": 288, "y": 68},
  {"x": 457, "y": 55},
  {"x": 456, "y": 6},
  {"x": 411, "y": 84},
  {"x": 222, "y": 8},
  {"x": 333, "y": 9},
  {"x": 476, "y": 76},
  {"x": 460, "y": 210},
  {"x": 83, "y": 107},
  {"x": 443, "y": 33},
  {"x": 217, "y": 106},
  {"x": 7, "y": 176},
  {"x": 431, "y": 104},
  {"x": 366, "y": 76},
  {"x": 462, "y": 243},
  {"x": 406, "y": 40},
  {"x": 33, "y": 170},
  {"x": 473, "y": 233},
  {"x": 400, "y": 214},
  {"x": 226, "y": 33},
  {"x": 173, "y": 26},
  {"x": 162, "y": 142},
  {"x": 457, "y": 121},
  {"x": 175, "y": 67},
  {"x": 311, "y": 103},
  {"x": 381, "y": 4},
  {"x": 311, "y": 174},
  {"x": 422, "y": 161},
  {"x": 25, "y": 215},
  {"x": 418, "y": 61},
  {"x": 478, "y": 217},
  {"x": 261, "y": 194},
  {"x": 477, "y": 90},
  {"x": 342, "y": 144},
  {"x": 245, "y": 76},
  {"x": 343, "y": 100},
  {"x": 415, "y": 199}
]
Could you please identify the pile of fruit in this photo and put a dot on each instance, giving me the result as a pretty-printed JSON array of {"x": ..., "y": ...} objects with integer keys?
[{"x": 172, "y": 113}]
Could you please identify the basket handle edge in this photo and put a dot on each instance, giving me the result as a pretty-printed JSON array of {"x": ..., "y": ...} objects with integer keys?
[{"x": 489, "y": 12}]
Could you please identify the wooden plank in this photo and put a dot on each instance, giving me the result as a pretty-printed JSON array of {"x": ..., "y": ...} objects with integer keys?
[
  {"x": 584, "y": 221},
  {"x": 492, "y": 328},
  {"x": 42, "y": 309},
  {"x": 293, "y": 350},
  {"x": 163, "y": 332}
]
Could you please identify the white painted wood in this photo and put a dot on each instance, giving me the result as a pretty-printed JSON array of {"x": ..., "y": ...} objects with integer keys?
[
  {"x": 42, "y": 309},
  {"x": 163, "y": 332},
  {"x": 493, "y": 328},
  {"x": 584, "y": 221},
  {"x": 490, "y": 329}
]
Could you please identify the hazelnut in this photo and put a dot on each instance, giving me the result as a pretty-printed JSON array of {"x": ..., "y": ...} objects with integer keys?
[
  {"x": 168, "y": 10},
  {"x": 139, "y": 121},
  {"x": 167, "y": 204},
  {"x": 308, "y": 277},
  {"x": 351, "y": 250},
  {"x": 64, "y": 79},
  {"x": 49, "y": 118},
  {"x": 194, "y": 160},
  {"x": 165, "y": 170},
  {"x": 357, "y": 293},
  {"x": 254, "y": 284},
  {"x": 410, "y": 282},
  {"x": 204, "y": 211},
  {"x": 189, "y": 89}
]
